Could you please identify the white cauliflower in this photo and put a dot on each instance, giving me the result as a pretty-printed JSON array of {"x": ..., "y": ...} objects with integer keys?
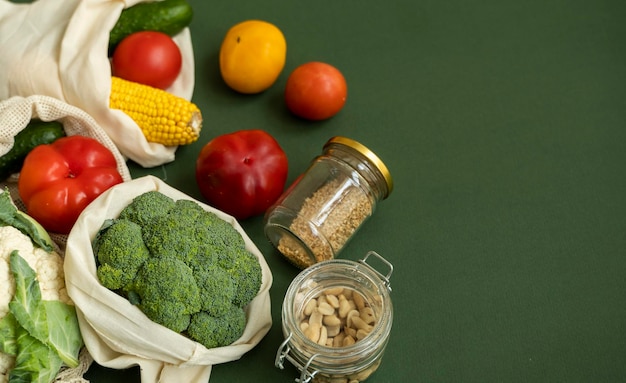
[{"x": 49, "y": 269}]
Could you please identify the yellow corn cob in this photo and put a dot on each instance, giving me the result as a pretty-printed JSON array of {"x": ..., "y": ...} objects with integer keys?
[{"x": 163, "y": 117}]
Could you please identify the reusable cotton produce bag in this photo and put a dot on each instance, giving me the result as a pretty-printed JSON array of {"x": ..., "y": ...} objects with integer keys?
[
  {"x": 116, "y": 333},
  {"x": 59, "y": 48}
]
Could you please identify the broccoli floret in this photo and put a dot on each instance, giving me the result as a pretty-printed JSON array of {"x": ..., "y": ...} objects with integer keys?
[
  {"x": 221, "y": 240},
  {"x": 147, "y": 206},
  {"x": 120, "y": 252},
  {"x": 167, "y": 291},
  {"x": 217, "y": 289},
  {"x": 221, "y": 234},
  {"x": 171, "y": 236},
  {"x": 217, "y": 331},
  {"x": 188, "y": 208},
  {"x": 176, "y": 232},
  {"x": 247, "y": 274}
]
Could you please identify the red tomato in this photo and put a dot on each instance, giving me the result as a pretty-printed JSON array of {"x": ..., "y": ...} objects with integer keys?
[
  {"x": 59, "y": 180},
  {"x": 148, "y": 57},
  {"x": 316, "y": 91},
  {"x": 242, "y": 173}
]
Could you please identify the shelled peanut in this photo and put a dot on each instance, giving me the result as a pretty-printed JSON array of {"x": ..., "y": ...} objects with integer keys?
[{"x": 338, "y": 317}]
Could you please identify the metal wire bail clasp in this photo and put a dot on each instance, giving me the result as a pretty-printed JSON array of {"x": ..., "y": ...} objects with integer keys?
[
  {"x": 283, "y": 353},
  {"x": 383, "y": 277}
]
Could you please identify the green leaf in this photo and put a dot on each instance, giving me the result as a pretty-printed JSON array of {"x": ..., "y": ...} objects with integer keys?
[
  {"x": 63, "y": 331},
  {"x": 8, "y": 334},
  {"x": 52, "y": 323},
  {"x": 35, "y": 362},
  {"x": 26, "y": 304},
  {"x": 11, "y": 216}
]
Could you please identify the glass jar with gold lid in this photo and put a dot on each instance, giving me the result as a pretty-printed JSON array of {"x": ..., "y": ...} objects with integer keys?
[{"x": 322, "y": 210}]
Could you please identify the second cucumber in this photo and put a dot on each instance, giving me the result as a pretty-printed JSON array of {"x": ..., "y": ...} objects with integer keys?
[{"x": 36, "y": 133}]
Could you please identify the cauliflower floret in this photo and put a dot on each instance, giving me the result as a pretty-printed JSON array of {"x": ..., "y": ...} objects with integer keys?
[
  {"x": 12, "y": 239},
  {"x": 6, "y": 365},
  {"x": 48, "y": 266},
  {"x": 49, "y": 269}
]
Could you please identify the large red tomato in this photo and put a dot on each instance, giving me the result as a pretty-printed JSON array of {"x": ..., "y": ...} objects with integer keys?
[
  {"x": 59, "y": 180},
  {"x": 149, "y": 58},
  {"x": 242, "y": 173},
  {"x": 316, "y": 91}
]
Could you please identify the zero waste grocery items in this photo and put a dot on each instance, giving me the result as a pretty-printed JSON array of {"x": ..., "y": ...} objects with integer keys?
[
  {"x": 60, "y": 49},
  {"x": 314, "y": 219}
]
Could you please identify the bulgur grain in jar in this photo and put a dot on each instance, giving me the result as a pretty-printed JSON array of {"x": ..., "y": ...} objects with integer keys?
[
  {"x": 336, "y": 319},
  {"x": 316, "y": 216}
]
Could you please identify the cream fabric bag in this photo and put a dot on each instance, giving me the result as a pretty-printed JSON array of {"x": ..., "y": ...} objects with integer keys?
[
  {"x": 117, "y": 334},
  {"x": 58, "y": 48}
]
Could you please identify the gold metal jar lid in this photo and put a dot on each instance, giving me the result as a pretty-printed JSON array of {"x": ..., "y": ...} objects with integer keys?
[{"x": 371, "y": 157}]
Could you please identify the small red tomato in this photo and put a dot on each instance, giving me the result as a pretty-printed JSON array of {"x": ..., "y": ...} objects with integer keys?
[
  {"x": 242, "y": 173},
  {"x": 316, "y": 91},
  {"x": 149, "y": 58}
]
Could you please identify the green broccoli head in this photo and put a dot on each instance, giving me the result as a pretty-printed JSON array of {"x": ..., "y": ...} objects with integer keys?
[
  {"x": 120, "y": 251},
  {"x": 247, "y": 275},
  {"x": 146, "y": 206},
  {"x": 217, "y": 331},
  {"x": 167, "y": 291},
  {"x": 193, "y": 274}
]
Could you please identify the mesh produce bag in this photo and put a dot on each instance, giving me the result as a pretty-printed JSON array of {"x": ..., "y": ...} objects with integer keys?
[
  {"x": 59, "y": 48},
  {"x": 15, "y": 114},
  {"x": 117, "y": 334}
]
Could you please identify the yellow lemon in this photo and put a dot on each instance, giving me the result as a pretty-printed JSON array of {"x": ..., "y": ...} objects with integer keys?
[{"x": 252, "y": 56}]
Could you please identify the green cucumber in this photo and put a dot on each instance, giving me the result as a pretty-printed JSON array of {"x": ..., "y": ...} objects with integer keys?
[
  {"x": 36, "y": 133},
  {"x": 167, "y": 16}
]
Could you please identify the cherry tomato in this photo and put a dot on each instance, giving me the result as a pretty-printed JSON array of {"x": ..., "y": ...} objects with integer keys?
[
  {"x": 149, "y": 58},
  {"x": 59, "y": 180},
  {"x": 242, "y": 173},
  {"x": 315, "y": 91}
]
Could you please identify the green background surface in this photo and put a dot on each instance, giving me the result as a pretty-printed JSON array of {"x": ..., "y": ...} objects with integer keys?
[{"x": 503, "y": 125}]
